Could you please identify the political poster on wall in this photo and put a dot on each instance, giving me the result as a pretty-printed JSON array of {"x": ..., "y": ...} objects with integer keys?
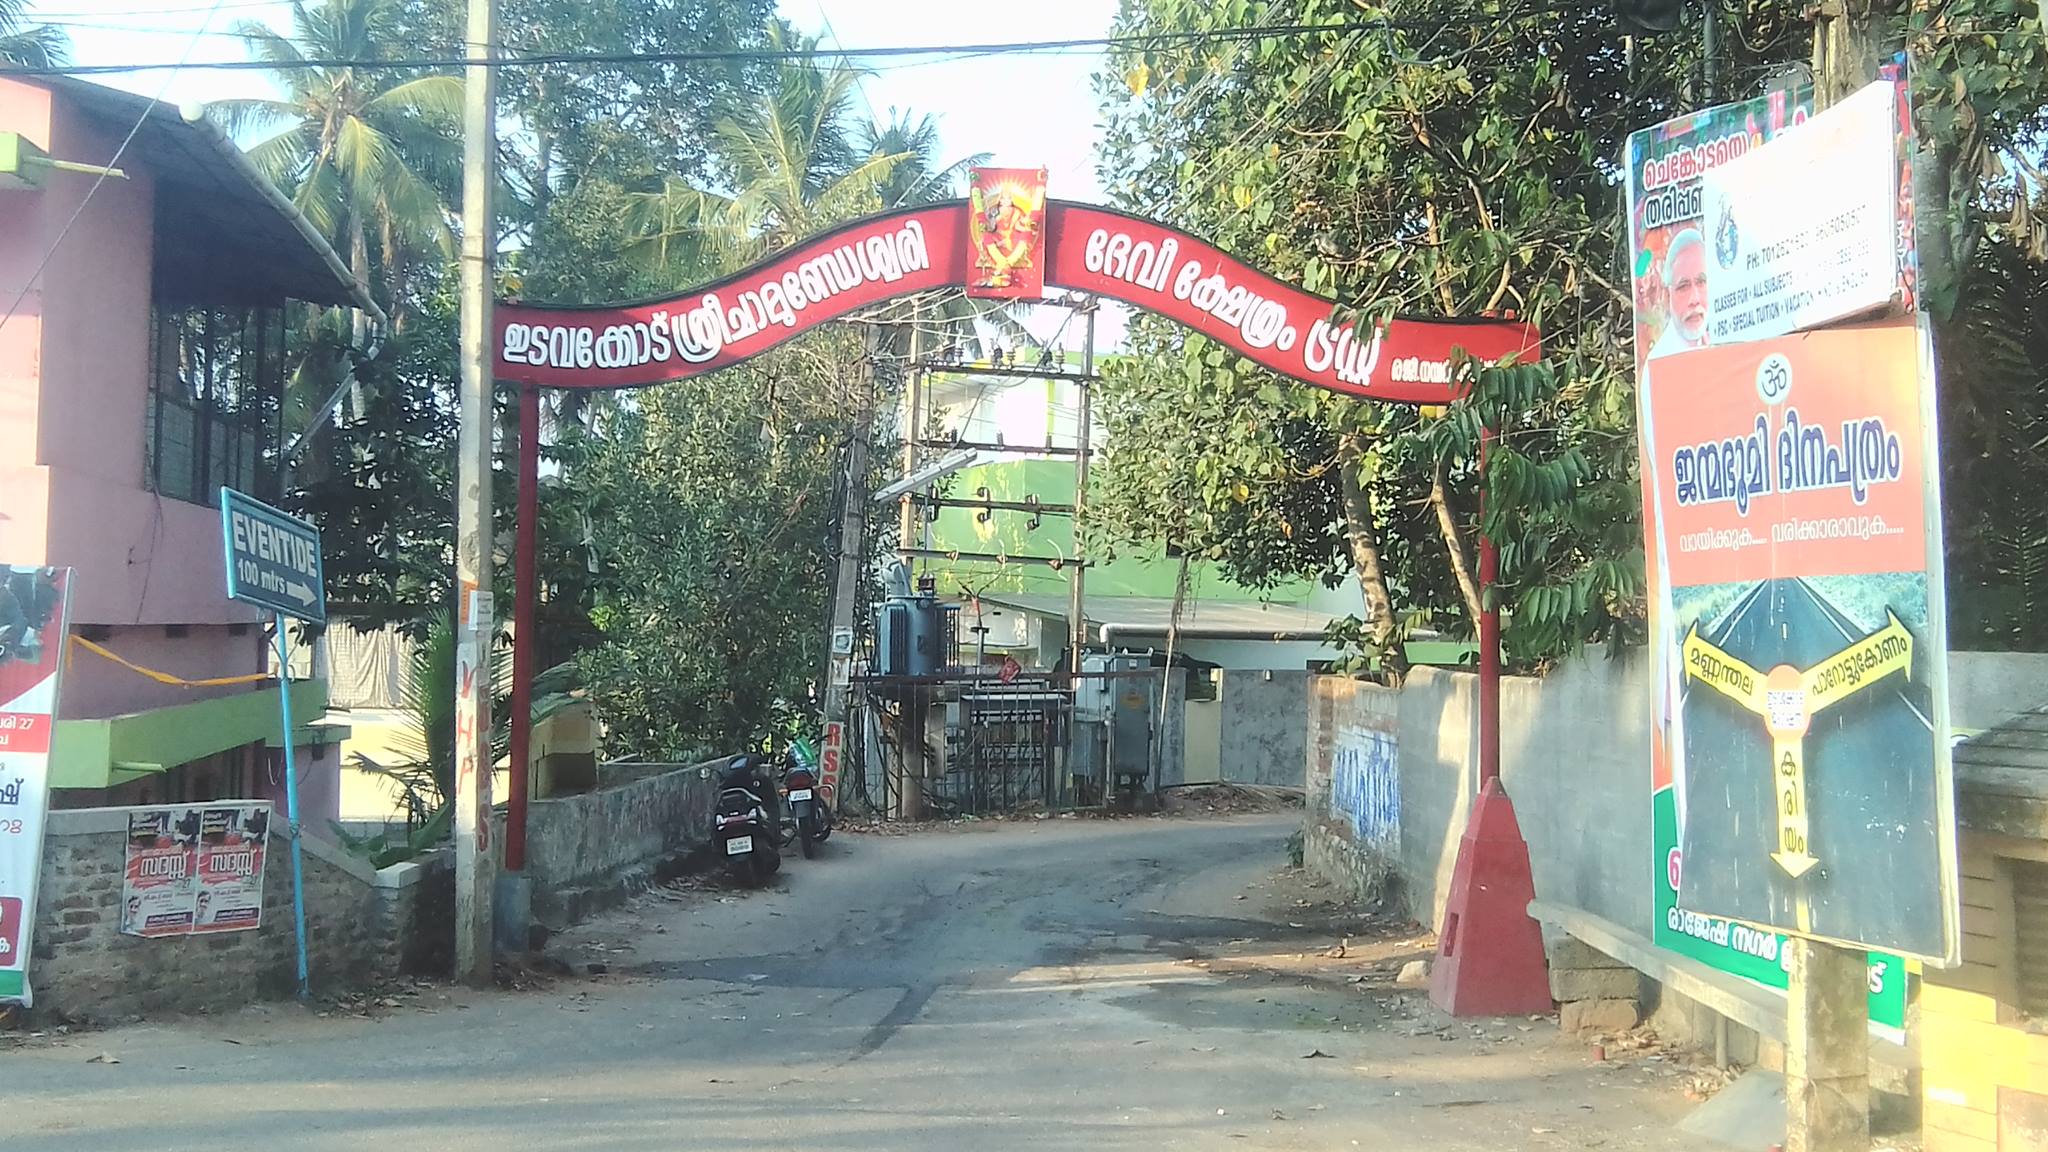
[
  {"x": 232, "y": 844},
  {"x": 1788, "y": 255},
  {"x": 157, "y": 885},
  {"x": 34, "y": 623},
  {"x": 194, "y": 868},
  {"x": 1665, "y": 169},
  {"x": 1802, "y": 622}
]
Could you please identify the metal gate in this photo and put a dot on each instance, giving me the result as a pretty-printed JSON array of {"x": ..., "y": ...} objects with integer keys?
[{"x": 1003, "y": 750}]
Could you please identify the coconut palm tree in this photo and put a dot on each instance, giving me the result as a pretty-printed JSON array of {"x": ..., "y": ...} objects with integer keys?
[
  {"x": 29, "y": 46},
  {"x": 919, "y": 178},
  {"x": 363, "y": 153},
  {"x": 791, "y": 168}
]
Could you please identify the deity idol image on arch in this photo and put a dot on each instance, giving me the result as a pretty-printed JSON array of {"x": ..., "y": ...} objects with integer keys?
[{"x": 1006, "y": 227}]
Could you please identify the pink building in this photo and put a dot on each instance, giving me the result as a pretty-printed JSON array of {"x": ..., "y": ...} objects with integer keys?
[{"x": 143, "y": 370}]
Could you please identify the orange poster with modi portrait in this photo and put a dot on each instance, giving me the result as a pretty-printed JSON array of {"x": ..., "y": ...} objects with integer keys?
[{"x": 1006, "y": 227}]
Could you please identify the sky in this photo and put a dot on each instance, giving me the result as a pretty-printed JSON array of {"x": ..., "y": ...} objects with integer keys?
[{"x": 1023, "y": 110}]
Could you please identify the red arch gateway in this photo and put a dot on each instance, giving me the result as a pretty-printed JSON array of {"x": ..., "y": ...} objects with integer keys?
[{"x": 1088, "y": 249}]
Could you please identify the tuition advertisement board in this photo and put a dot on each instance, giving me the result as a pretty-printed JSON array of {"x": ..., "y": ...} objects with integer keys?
[{"x": 34, "y": 627}]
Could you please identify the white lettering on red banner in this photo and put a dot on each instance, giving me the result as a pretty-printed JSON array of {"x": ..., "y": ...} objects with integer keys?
[{"x": 1280, "y": 327}]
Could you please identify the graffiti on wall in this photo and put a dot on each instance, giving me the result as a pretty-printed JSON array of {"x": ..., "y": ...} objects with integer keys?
[{"x": 1365, "y": 785}]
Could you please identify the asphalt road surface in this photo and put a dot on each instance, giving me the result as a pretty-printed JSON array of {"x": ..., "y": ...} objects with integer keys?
[
  {"x": 1870, "y": 789},
  {"x": 1064, "y": 984}
]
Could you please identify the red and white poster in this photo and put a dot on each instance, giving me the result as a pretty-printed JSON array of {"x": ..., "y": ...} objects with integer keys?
[
  {"x": 157, "y": 884},
  {"x": 1006, "y": 228},
  {"x": 233, "y": 839},
  {"x": 194, "y": 869},
  {"x": 33, "y": 628}
]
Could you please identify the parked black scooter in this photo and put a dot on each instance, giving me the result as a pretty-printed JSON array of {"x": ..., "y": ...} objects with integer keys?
[
  {"x": 747, "y": 830},
  {"x": 807, "y": 807}
]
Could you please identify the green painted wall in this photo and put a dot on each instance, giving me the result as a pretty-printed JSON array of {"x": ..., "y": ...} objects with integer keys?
[{"x": 1052, "y": 481}]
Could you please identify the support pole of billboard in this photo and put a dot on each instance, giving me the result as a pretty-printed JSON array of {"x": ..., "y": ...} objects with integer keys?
[
  {"x": 291, "y": 806},
  {"x": 1827, "y": 1042},
  {"x": 473, "y": 862}
]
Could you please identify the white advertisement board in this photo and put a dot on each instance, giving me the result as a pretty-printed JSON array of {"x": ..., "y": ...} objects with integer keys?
[{"x": 1800, "y": 230}]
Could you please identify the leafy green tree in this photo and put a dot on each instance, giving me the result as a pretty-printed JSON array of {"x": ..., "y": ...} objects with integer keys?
[
  {"x": 787, "y": 156},
  {"x": 713, "y": 522}
]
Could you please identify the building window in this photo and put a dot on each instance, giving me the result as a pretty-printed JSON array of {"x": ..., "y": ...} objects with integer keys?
[{"x": 216, "y": 381}]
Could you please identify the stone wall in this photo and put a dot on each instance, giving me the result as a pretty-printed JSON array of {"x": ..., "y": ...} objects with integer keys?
[
  {"x": 1360, "y": 856},
  {"x": 362, "y": 926},
  {"x": 586, "y": 852}
]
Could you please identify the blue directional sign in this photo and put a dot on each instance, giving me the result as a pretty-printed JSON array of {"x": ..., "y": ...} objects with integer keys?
[{"x": 273, "y": 558}]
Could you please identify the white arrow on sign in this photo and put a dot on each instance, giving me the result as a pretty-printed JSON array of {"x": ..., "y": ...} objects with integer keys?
[{"x": 299, "y": 592}]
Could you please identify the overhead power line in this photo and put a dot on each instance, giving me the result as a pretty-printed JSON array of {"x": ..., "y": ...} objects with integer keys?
[{"x": 509, "y": 59}]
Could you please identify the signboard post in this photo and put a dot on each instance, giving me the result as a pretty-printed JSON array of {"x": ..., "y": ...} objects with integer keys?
[
  {"x": 273, "y": 561},
  {"x": 34, "y": 623}
]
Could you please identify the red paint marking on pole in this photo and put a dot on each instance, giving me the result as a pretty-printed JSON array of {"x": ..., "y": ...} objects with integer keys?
[{"x": 524, "y": 640}]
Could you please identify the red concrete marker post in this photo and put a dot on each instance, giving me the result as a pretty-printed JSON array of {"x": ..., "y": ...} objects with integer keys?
[{"x": 1489, "y": 953}]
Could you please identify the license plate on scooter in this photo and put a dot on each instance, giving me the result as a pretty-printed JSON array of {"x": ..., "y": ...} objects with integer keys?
[
  {"x": 800, "y": 794},
  {"x": 739, "y": 846}
]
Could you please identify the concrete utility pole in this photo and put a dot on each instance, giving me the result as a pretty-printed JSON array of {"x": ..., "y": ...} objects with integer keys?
[
  {"x": 473, "y": 865},
  {"x": 1827, "y": 1051},
  {"x": 853, "y": 523}
]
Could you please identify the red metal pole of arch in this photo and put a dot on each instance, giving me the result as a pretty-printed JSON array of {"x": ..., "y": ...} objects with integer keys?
[
  {"x": 1489, "y": 952},
  {"x": 1489, "y": 640},
  {"x": 526, "y": 582}
]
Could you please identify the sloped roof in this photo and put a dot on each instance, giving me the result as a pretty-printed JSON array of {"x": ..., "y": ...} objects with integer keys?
[
  {"x": 224, "y": 233},
  {"x": 2002, "y": 777}
]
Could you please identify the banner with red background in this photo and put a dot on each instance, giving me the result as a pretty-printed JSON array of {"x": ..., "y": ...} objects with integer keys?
[{"x": 1088, "y": 249}]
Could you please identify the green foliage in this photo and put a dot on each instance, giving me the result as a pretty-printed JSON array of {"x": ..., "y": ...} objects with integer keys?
[
  {"x": 1458, "y": 159},
  {"x": 714, "y": 522}
]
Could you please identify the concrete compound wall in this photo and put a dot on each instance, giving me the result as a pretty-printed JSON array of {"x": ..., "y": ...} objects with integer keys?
[
  {"x": 587, "y": 851},
  {"x": 1260, "y": 735},
  {"x": 363, "y": 925},
  {"x": 1575, "y": 760}
]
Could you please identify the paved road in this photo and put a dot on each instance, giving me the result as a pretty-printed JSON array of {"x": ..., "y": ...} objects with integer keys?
[{"x": 1135, "y": 984}]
